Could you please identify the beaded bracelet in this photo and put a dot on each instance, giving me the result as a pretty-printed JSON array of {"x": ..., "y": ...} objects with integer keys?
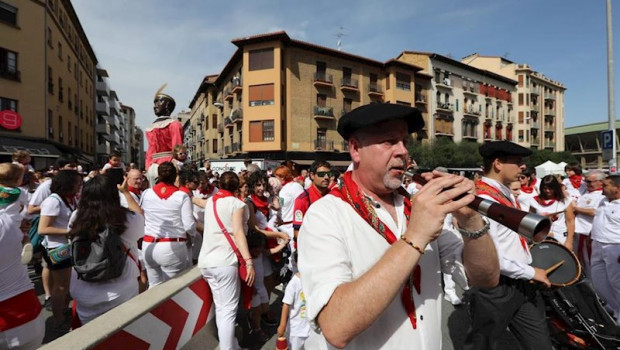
[{"x": 413, "y": 245}]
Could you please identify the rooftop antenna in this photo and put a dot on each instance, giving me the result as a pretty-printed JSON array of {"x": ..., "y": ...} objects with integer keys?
[{"x": 340, "y": 35}]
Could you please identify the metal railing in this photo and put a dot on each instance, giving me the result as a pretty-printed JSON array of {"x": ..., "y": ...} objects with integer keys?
[
  {"x": 323, "y": 145},
  {"x": 348, "y": 82},
  {"x": 323, "y": 77},
  {"x": 375, "y": 88},
  {"x": 323, "y": 111}
]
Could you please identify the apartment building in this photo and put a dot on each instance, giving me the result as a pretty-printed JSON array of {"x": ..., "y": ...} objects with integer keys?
[
  {"x": 110, "y": 122},
  {"x": 281, "y": 98},
  {"x": 47, "y": 70},
  {"x": 540, "y": 102},
  {"x": 129, "y": 117},
  {"x": 584, "y": 142},
  {"x": 138, "y": 147},
  {"x": 465, "y": 103}
]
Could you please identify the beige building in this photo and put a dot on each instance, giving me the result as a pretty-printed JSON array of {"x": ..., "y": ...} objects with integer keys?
[
  {"x": 465, "y": 103},
  {"x": 539, "y": 103},
  {"x": 47, "y": 70},
  {"x": 280, "y": 98}
]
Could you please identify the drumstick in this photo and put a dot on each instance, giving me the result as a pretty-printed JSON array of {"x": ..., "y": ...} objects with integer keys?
[{"x": 554, "y": 267}]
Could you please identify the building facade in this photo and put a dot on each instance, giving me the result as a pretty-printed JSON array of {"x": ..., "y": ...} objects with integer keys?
[
  {"x": 138, "y": 147},
  {"x": 47, "y": 72},
  {"x": 129, "y": 118},
  {"x": 109, "y": 119},
  {"x": 584, "y": 142},
  {"x": 539, "y": 103},
  {"x": 465, "y": 103}
]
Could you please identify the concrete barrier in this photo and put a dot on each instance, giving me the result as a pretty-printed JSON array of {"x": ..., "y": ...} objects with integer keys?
[{"x": 165, "y": 317}]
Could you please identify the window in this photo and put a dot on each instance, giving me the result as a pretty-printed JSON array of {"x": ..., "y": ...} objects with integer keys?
[
  {"x": 346, "y": 105},
  {"x": 69, "y": 98},
  {"x": 520, "y": 80},
  {"x": 520, "y": 117},
  {"x": 50, "y": 121},
  {"x": 520, "y": 99},
  {"x": 321, "y": 100},
  {"x": 69, "y": 63},
  {"x": 214, "y": 143},
  {"x": 521, "y": 138},
  {"x": 60, "y": 50},
  {"x": 69, "y": 134},
  {"x": 321, "y": 138},
  {"x": 261, "y": 95},
  {"x": 403, "y": 81},
  {"x": 8, "y": 13},
  {"x": 261, "y": 59},
  {"x": 8, "y": 64},
  {"x": 60, "y": 135},
  {"x": 49, "y": 36},
  {"x": 214, "y": 121},
  {"x": 8, "y": 104},
  {"x": 346, "y": 73},
  {"x": 262, "y": 131},
  {"x": 60, "y": 92},
  {"x": 321, "y": 67},
  {"x": 437, "y": 77}
]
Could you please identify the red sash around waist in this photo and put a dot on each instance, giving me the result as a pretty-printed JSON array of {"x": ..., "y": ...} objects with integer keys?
[
  {"x": 19, "y": 310},
  {"x": 151, "y": 239}
]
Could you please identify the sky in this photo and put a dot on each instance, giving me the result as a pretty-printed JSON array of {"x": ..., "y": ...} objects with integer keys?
[{"x": 145, "y": 43}]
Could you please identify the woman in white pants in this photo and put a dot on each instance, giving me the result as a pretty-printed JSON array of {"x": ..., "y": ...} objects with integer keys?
[
  {"x": 168, "y": 219},
  {"x": 217, "y": 260}
]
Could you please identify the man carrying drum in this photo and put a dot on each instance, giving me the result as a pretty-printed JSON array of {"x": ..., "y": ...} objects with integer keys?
[{"x": 514, "y": 302}]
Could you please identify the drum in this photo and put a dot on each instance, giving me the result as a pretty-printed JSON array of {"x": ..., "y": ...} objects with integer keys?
[{"x": 548, "y": 254}]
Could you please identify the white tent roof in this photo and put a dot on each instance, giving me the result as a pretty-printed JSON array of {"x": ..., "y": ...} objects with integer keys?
[{"x": 549, "y": 168}]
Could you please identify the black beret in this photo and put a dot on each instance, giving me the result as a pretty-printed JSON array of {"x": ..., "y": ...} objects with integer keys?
[
  {"x": 497, "y": 149},
  {"x": 374, "y": 113}
]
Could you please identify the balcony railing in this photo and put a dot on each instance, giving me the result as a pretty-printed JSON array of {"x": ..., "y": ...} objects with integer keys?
[
  {"x": 471, "y": 110},
  {"x": 323, "y": 112},
  {"x": 550, "y": 112},
  {"x": 228, "y": 122},
  {"x": 228, "y": 94},
  {"x": 375, "y": 89},
  {"x": 420, "y": 98},
  {"x": 445, "y": 106},
  {"x": 220, "y": 127},
  {"x": 226, "y": 149},
  {"x": 12, "y": 74},
  {"x": 236, "y": 147},
  {"x": 323, "y": 145},
  {"x": 549, "y": 144},
  {"x": 349, "y": 84},
  {"x": 534, "y": 141},
  {"x": 237, "y": 116},
  {"x": 237, "y": 85},
  {"x": 534, "y": 91},
  {"x": 322, "y": 78},
  {"x": 534, "y": 125},
  {"x": 549, "y": 96}
]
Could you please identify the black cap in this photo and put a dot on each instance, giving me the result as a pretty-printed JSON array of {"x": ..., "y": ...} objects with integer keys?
[
  {"x": 374, "y": 113},
  {"x": 497, "y": 149}
]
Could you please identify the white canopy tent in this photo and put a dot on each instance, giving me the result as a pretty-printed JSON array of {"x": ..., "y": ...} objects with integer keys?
[{"x": 549, "y": 168}]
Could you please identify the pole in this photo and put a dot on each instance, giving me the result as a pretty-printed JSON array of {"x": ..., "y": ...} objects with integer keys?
[{"x": 610, "y": 88}]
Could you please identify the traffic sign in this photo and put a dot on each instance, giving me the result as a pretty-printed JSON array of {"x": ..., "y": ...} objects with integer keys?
[{"x": 607, "y": 144}]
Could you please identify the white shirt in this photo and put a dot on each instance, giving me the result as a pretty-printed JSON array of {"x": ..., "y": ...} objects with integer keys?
[
  {"x": 307, "y": 182},
  {"x": 123, "y": 200},
  {"x": 215, "y": 250},
  {"x": 93, "y": 299},
  {"x": 298, "y": 315},
  {"x": 14, "y": 210},
  {"x": 199, "y": 212},
  {"x": 56, "y": 207},
  {"x": 412, "y": 188},
  {"x": 558, "y": 223},
  {"x": 170, "y": 218},
  {"x": 41, "y": 193},
  {"x": 514, "y": 260},
  {"x": 107, "y": 166},
  {"x": 288, "y": 194},
  {"x": 590, "y": 200},
  {"x": 573, "y": 192},
  {"x": 13, "y": 274},
  {"x": 606, "y": 225},
  {"x": 341, "y": 248},
  {"x": 525, "y": 198}
]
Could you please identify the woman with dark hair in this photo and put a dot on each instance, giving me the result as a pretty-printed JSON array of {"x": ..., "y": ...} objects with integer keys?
[
  {"x": 575, "y": 186},
  {"x": 217, "y": 260},
  {"x": 55, "y": 213},
  {"x": 529, "y": 189},
  {"x": 99, "y": 208},
  {"x": 168, "y": 219},
  {"x": 552, "y": 202}
]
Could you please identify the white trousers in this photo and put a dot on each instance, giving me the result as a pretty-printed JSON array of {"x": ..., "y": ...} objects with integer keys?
[
  {"x": 582, "y": 253},
  {"x": 606, "y": 274},
  {"x": 164, "y": 260},
  {"x": 225, "y": 288},
  {"x": 260, "y": 292},
  {"x": 25, "y": 337},
  {"x": 151, "y": 174},
  {"x": 296, "y": 343}
]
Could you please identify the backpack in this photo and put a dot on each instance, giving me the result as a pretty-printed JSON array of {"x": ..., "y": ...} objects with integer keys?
[
  {"x": 100, "y": 259},
  {"x": 35, "y": 238}
]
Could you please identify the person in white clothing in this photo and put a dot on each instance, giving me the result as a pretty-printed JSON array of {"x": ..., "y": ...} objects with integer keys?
[
  {"x": 371, "y": 276},
  {"x": 99, "y": 207},
  {"x": 288, "y": 194},
  {"x": 585, "y": 209},
  {"x": 552, "y": 203},
  {"x": 530, "y": 187},
  {"x": 217, "y": 260},
  {"x": 606, "y": 246},
  {"x": 55, "y": 213},
  {"x": 575, "y": 186},
  {"x": 294, "y": 315},
  {"x": 168, "y": 219}
]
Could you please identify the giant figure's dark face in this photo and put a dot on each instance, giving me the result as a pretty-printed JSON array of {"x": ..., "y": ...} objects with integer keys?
[{"x": 163, "y": 106}]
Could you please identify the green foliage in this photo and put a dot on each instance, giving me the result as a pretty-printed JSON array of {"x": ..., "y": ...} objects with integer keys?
[{"x": 443, "y": 152}]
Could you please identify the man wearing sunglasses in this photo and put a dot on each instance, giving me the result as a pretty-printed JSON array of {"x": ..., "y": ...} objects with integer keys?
[
  {"x": 162, "y": 135},
  {"x": 320, "y": 174}
]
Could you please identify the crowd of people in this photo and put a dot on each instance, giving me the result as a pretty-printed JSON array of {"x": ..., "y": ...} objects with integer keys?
[{"x": 360, "y": 254}]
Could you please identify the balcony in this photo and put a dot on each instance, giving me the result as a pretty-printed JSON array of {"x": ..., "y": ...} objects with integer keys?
[
  {"x": 114, "y": 138},
  {"x": 534, "y": 141},
  {"x": 11, "y": 74},
  {"x": 228, "y": 95},
  {"x": 549, "y": 144},
  {"x": 348, "y": 84},
  {"x": 236, "y": 116},
  {"x": 534, "y": 91},
  {"x": 103, "y": 128},
  {"x": 226, "y": 149},
  {"x": 445, "y": 84},
  {"x": 102, "y": 108},
  {"x": 237, "y": 85},
  {"x": 323, "y": 145},
  {"x": 534, "y": 125},
  {"x": 470, "y": 92},
  {"x": 228, "y": 122},
  {"x": 550, "y": 112},
  {"x": 104, "y": 148},
  {"x": 445, "y": 107},
  {"x": 236, "y": 147},
  {"x": 102, "y": 88},
  {"x": 471, "y": 111},
  {"x": 420, "y": 99},
  {"x": 326, "y": 113},
  {"x": 220, "y": 128},
  {"x": 375, "y": 90},
  {"x": 550, "y": 97},
  {"x": 323, "y": 79},
  {"x": 534, "y": 108}
]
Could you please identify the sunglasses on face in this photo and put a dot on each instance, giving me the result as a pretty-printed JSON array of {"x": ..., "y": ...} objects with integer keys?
[
  {"x": 522, "y": 177},
  {"x": 323, "y": 173}
]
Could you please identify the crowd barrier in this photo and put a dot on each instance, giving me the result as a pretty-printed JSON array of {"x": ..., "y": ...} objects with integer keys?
[{"x": 165, "y": 317}]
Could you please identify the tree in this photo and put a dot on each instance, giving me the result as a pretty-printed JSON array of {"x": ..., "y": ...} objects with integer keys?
[{"x": 541, "y": 156}]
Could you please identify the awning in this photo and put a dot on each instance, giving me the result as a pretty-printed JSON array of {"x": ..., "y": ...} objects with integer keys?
[
  {"x": 84, "y": 158},
  {"x": 36, "y": 149}
]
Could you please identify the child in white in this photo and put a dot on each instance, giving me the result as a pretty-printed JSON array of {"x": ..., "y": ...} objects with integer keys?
[{"x": 294, "y": 312}]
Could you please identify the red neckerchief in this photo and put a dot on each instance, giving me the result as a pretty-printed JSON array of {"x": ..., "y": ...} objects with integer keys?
[
  {"x": 350, "y": 193},
  {"x": 527, "y": 189},
  {"x": 207, "y": 191},
  {"x": 135, "y": 191},
  {"x": 314, "y": 194},
  {"x": 575, "y": 180},
  {"x": 534, "y": 181},
  {"x": 222, "y": 193},
  {"x": 261, "y": 203},
  {"x": 484, "y": 188},
  {"x": 544, "y": 202},
  {"x": 164, "y": 191},
  {"x": 186, "y": 190}
]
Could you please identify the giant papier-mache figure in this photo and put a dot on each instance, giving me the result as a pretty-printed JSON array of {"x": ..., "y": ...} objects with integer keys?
[{"x": 162, "y": 135}]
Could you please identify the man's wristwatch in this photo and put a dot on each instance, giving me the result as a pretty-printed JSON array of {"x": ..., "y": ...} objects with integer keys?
[{"x": 479, "y": 233}]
